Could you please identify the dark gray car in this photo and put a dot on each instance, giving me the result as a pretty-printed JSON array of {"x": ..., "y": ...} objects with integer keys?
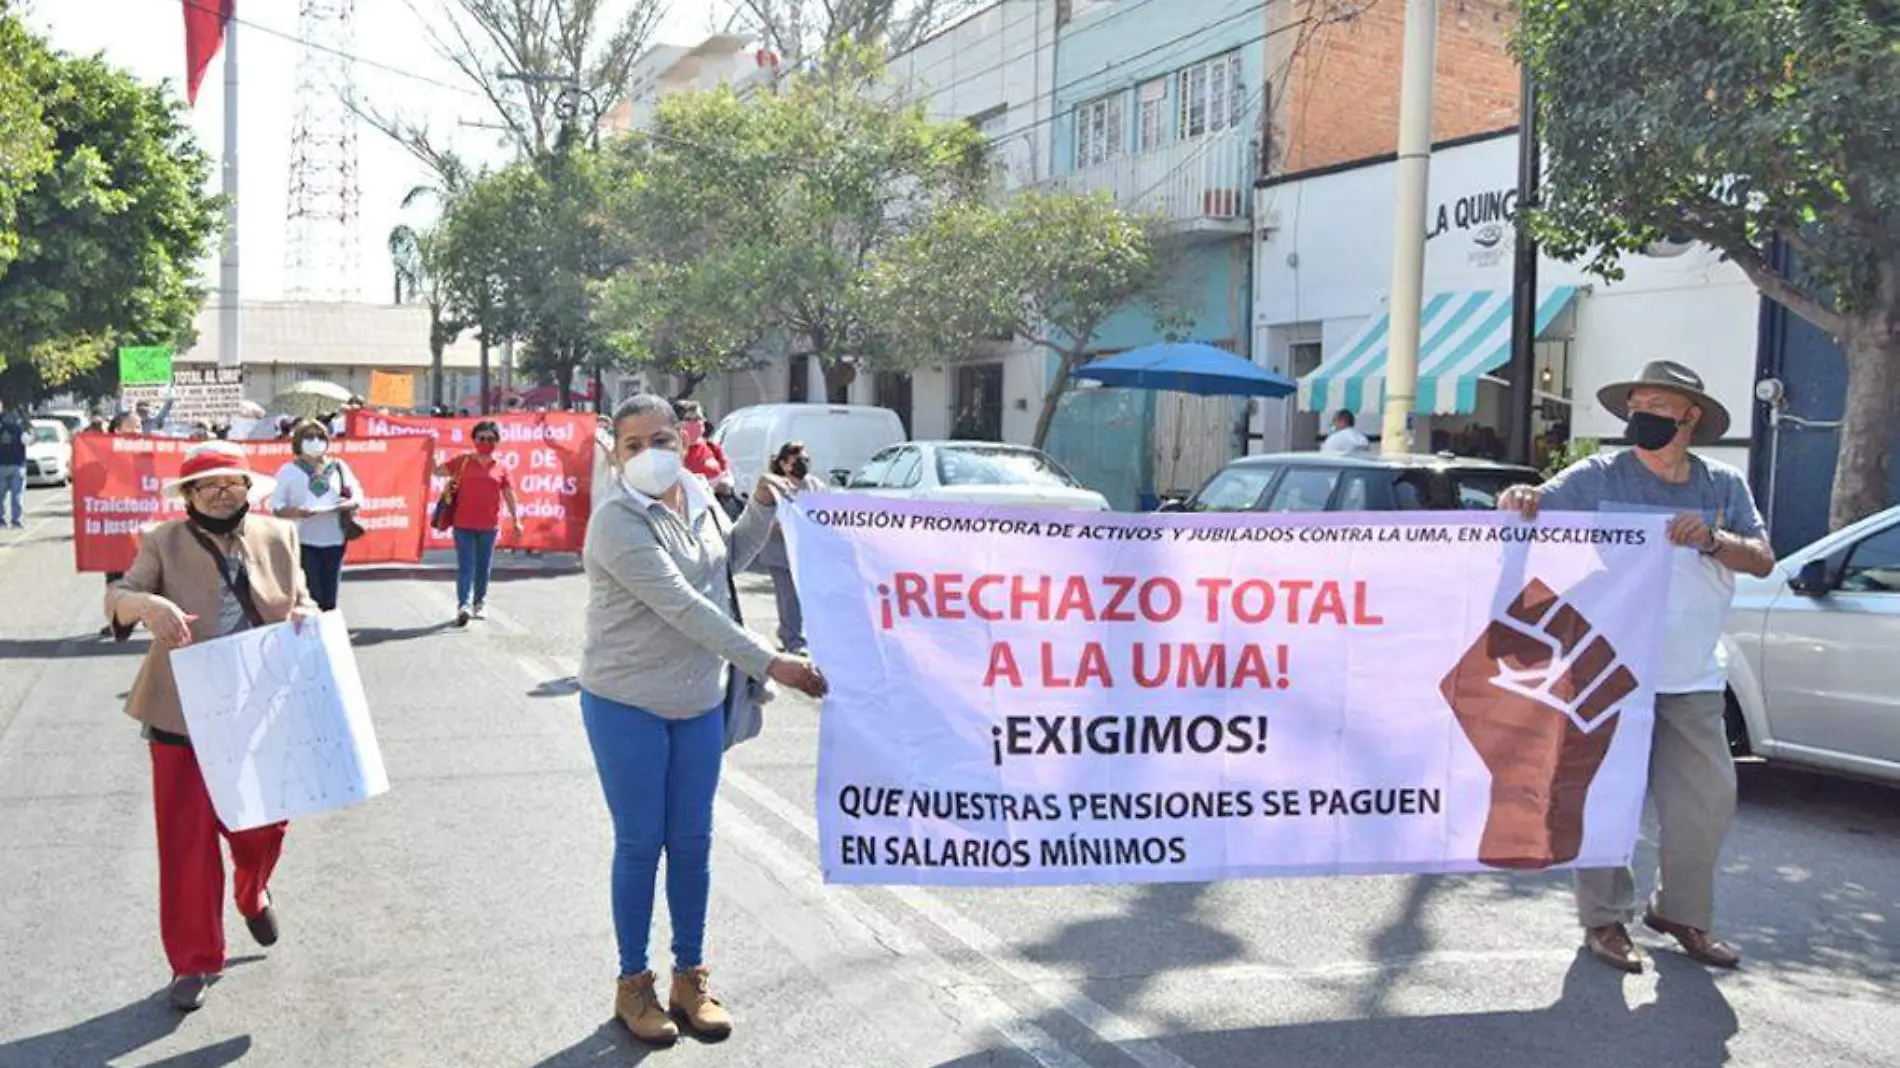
[{"x": 1319, "y": 482}]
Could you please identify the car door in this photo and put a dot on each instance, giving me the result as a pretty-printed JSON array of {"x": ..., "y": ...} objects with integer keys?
[{"x": 1830, "y": 673}]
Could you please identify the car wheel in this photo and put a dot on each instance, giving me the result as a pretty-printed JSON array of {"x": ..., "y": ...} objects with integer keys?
[{"x": 1737, "y": 727}]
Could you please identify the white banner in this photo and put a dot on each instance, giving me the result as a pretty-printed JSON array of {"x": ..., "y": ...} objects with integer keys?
[
  {"x": 279, "y": 722},
  {"x": 1049, "y": 698},
  {"x": 211, "y": 394}
]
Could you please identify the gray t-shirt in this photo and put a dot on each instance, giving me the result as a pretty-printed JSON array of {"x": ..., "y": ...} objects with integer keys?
[
  {"x": 1700, "y": 588},
  {"x": 1620, "y": 483}
]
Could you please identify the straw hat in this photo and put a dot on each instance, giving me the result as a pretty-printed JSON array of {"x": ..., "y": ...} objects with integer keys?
[
  {"x": 1674, "y": 377},
  {"x": 215, "y": 459}
]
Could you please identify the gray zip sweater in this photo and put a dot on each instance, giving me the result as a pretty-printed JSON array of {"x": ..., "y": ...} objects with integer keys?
[{"x": 660, "y": 630}]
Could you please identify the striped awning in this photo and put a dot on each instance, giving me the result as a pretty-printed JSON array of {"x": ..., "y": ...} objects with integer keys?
[{"x": 1462, "y": 337}]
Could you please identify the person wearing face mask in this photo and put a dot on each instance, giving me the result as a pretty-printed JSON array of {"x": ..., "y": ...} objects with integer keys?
[
  {"x": 793, "y": 464},
  {"x": 218, "y": 571},
  {"x": 661, "y": 639},
  {"x": 1718, "y": 532},
  {"x": 316, "y": 489},
  {"x": 482, "y": 486},
  {"x": 702, "y": 456}
]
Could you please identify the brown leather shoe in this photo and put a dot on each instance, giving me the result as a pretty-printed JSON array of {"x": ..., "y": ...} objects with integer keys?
[
  {"x": 1700, "y": 945},
  {"x": 638, "y": 1006},
  {"x": 1611, "y": 944},
  {"x": 695, "y": 1007}
]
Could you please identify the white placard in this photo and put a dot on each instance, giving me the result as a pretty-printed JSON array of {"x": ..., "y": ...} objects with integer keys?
[
  {"x": 1050, "y": 697},
  {"x": 279, "y": 722}
]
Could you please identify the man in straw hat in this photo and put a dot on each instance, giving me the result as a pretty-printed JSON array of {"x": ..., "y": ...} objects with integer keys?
[
  {"x": 218, "y": 571},
  {"x": 1718, "y": 531}
]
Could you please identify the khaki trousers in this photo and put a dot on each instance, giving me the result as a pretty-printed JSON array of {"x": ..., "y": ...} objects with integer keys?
[{"x": 1692, "y": 789}]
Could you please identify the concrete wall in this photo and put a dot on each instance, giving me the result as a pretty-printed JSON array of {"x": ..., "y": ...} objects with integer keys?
[
  {"x": 1340, "y": 100},
  {"x": 995, "y": 68},
  {"x": 1323, "y": 265}
]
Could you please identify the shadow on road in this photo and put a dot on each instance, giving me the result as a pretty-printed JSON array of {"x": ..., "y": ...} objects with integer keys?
[
  {"x": 368, "y": 636},
  {"x": 1689, "y": 1025},
  {"x": 610, "y": 1044},
  {"x": 102, "y": 1040},
  {"x": 67, "y": 648},
  {"x": 562, "y": 687}
]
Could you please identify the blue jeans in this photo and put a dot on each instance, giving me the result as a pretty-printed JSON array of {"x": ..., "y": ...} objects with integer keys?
[
  {"x": 474, "y": 557},
  {"x": 12, "y": 485},
  {"x": 659, "y": 776}
]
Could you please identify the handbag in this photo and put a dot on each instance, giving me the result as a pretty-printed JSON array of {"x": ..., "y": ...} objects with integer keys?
[
  {"x": 444, "y": 515},
  {"x": 346, "y": 518},
  {"x": 746, "y": 697}
]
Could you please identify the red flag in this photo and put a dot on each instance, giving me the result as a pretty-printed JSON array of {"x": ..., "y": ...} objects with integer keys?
[{"x": 204, "y": 35}]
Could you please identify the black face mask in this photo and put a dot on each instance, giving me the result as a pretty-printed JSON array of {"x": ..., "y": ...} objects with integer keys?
[
  {"x": 1650, "y": 431},
  {"x": 800, "y": 467},
  {"x": 220, "y": 527}
]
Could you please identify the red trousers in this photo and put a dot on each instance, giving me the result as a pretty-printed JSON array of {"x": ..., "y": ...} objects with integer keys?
[{"x": 191, "y": 866}]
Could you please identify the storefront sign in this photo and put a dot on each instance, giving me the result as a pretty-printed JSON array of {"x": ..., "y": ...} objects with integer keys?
[
  {"x": 1485, "y": 219},
  {"x": 210, "y": 394},
  {"x": 1045, "y": 698},
  {"x": 117, "y": 481},
  {"x": 550, "y": 456}
]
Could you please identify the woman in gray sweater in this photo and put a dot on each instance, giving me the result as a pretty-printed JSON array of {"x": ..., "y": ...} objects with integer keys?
[{"x": 660, "y": 637}]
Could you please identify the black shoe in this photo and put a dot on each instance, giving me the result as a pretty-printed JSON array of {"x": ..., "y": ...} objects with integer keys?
[
  {"x": 461, "y": 616},
  {"x": 263, "y": 926},
  {"x": 188, "y": 991}
]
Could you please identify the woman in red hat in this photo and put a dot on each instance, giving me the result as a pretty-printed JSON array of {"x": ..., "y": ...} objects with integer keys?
[{"x": 218, "y": 571}]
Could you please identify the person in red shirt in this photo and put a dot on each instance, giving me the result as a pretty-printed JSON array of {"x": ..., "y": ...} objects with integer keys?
[
  {"x": 481, "y": 486},
  {"x": 703, "y": 456}
]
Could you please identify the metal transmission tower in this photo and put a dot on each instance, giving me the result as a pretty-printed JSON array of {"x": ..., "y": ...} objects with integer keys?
[{"x": 321, "y": 256}]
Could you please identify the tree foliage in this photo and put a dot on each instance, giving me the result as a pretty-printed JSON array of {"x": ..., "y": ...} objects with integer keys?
[
  {"x": 1740, "y": 123},
  {"x": 796, "y": 29},
  {"x": 110, "y": 237},
  {"x": 766, "y": 215},
  {"x": 25, "y": 141},
  {"x": 1048, "y": 267}
]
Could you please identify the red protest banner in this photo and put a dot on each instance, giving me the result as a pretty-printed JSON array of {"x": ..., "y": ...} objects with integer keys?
[
  {"x": 117, "y": 481},
  {"x": 549, "y": 455}
]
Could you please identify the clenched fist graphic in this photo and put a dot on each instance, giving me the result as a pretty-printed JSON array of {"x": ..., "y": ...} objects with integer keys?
[{"x": 1537, "y": 695}]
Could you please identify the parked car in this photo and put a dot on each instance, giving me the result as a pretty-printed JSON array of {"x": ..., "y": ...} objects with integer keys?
[
  {"x": 974, "y": 472},
  {"x": 74, "y": 418},
  {"x": 1810, "y": 681},
  {"x": 1319, "y": 482},
  {"x": 840, "y": 438},
  {"x": 49, "y": 453}
]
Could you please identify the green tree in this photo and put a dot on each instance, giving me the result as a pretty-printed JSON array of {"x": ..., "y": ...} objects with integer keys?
[
  {"x": 772, "y": 211},
  {"x": 111, "y": 237},
  {"x": 1049, "y": 268},
  {"x": 25, "y": 141},
  {"x": 1734, "y": 123}
]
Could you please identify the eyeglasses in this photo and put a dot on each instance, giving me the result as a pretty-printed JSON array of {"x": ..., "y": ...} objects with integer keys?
[{"x": 228, "y": 487}]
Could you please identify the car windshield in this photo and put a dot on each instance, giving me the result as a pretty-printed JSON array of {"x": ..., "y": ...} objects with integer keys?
[
  {"x": 45, "y": 435},
  {"x": 1237, "y": 489},
  {"x": 998, "y": 467}
]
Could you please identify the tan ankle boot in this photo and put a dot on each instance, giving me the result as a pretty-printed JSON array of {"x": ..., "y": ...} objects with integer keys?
[
  {"x": 638, "y": 1006},
  {"x": 694, "y": 1006}
]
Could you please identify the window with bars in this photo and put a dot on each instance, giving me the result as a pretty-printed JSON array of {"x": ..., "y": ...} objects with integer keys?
[
  {"x": 1152, "y": 122},
  {"x": 1098, "y": 130},
  {"x": 1210, "y": 94}
]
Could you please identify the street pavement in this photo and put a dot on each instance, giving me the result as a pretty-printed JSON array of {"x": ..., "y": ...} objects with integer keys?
[{"x": 462, "y": 918}]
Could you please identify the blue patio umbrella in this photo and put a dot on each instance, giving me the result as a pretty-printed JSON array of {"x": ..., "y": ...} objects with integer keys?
[{"x": 1188, "y": 367}]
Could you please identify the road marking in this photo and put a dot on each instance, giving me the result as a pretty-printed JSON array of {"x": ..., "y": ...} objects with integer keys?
[{"x": 1110, "y": 1027}]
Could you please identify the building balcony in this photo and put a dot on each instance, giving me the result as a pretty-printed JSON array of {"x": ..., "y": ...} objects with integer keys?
[{"x": 1201, "y": 190}]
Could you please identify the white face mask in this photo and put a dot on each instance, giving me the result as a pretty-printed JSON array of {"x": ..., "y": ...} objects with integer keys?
[
  {"x": 652, "y": 472},
  {"x": 314, "y": 447}
]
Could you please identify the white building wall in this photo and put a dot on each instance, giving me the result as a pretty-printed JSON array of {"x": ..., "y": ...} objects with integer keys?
[{"x": 1323, "y": 262}]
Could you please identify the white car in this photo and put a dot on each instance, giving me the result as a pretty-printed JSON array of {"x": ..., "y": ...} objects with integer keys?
[
  {"x": 49, "y": 453},
  {"x": 974, "y": 472},
  {"x": 1813, "y": 667}
]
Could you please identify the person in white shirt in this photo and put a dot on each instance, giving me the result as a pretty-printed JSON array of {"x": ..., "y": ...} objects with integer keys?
[
  {"x": 1345, "y": 440},
  {"x": 316, "y": 490}
]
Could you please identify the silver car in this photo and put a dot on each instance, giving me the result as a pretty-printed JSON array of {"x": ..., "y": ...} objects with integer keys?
[{"x": 1814, "y": 655}]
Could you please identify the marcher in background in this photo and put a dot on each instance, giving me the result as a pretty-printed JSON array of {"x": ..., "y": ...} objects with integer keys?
[
  {"x": 704, "y": 457},
  {"x": 316, "y": 490},
  {"x": 13, "y": 439},
  {"x": 199, "y": 431},
  {"x": 1345, "y": 440},
  {"x": 96, "y": 424},
  {"x": 128, "y": 424},
  {"x": 482, "y": 486},
  {"x": 792, "y": 464},
  {"x": 1718, "y": 531},
  {"x": 660, "y": 636},
  {"x": 218, "y": 571}
]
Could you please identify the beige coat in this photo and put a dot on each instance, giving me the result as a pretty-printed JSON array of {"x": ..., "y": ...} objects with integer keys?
[{"x": 174, "y": 566}]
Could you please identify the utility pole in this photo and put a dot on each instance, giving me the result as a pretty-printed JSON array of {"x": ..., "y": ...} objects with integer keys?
[
  {"x": 230, "y": 351},
  {"x": 1408, "y": 226},
  {"x": 1530, "y": 165}
]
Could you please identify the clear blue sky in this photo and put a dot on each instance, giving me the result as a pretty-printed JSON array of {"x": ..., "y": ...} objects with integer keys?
[{"x": 147, "y": 37}]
